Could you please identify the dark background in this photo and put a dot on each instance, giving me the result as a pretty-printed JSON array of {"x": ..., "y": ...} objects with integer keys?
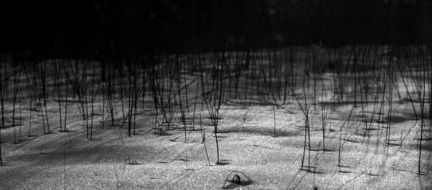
[{"x": 117, "y": 29}]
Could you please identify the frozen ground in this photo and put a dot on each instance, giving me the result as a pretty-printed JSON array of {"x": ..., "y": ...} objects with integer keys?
[
  {"x": 69, "y": 160},
  {"x": 371, "y": 121}
]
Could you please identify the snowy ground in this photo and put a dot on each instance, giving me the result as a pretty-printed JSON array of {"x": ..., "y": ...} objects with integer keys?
[
  {"x": 263, "y": 148},
  {"x": 150, "y": 161}
]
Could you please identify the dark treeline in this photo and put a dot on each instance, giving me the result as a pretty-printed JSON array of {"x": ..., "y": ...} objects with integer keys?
[{"x": 106, "y": 29}]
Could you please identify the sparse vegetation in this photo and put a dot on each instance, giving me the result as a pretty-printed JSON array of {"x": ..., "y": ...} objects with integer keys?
[{"x": 346, "y": 99}]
